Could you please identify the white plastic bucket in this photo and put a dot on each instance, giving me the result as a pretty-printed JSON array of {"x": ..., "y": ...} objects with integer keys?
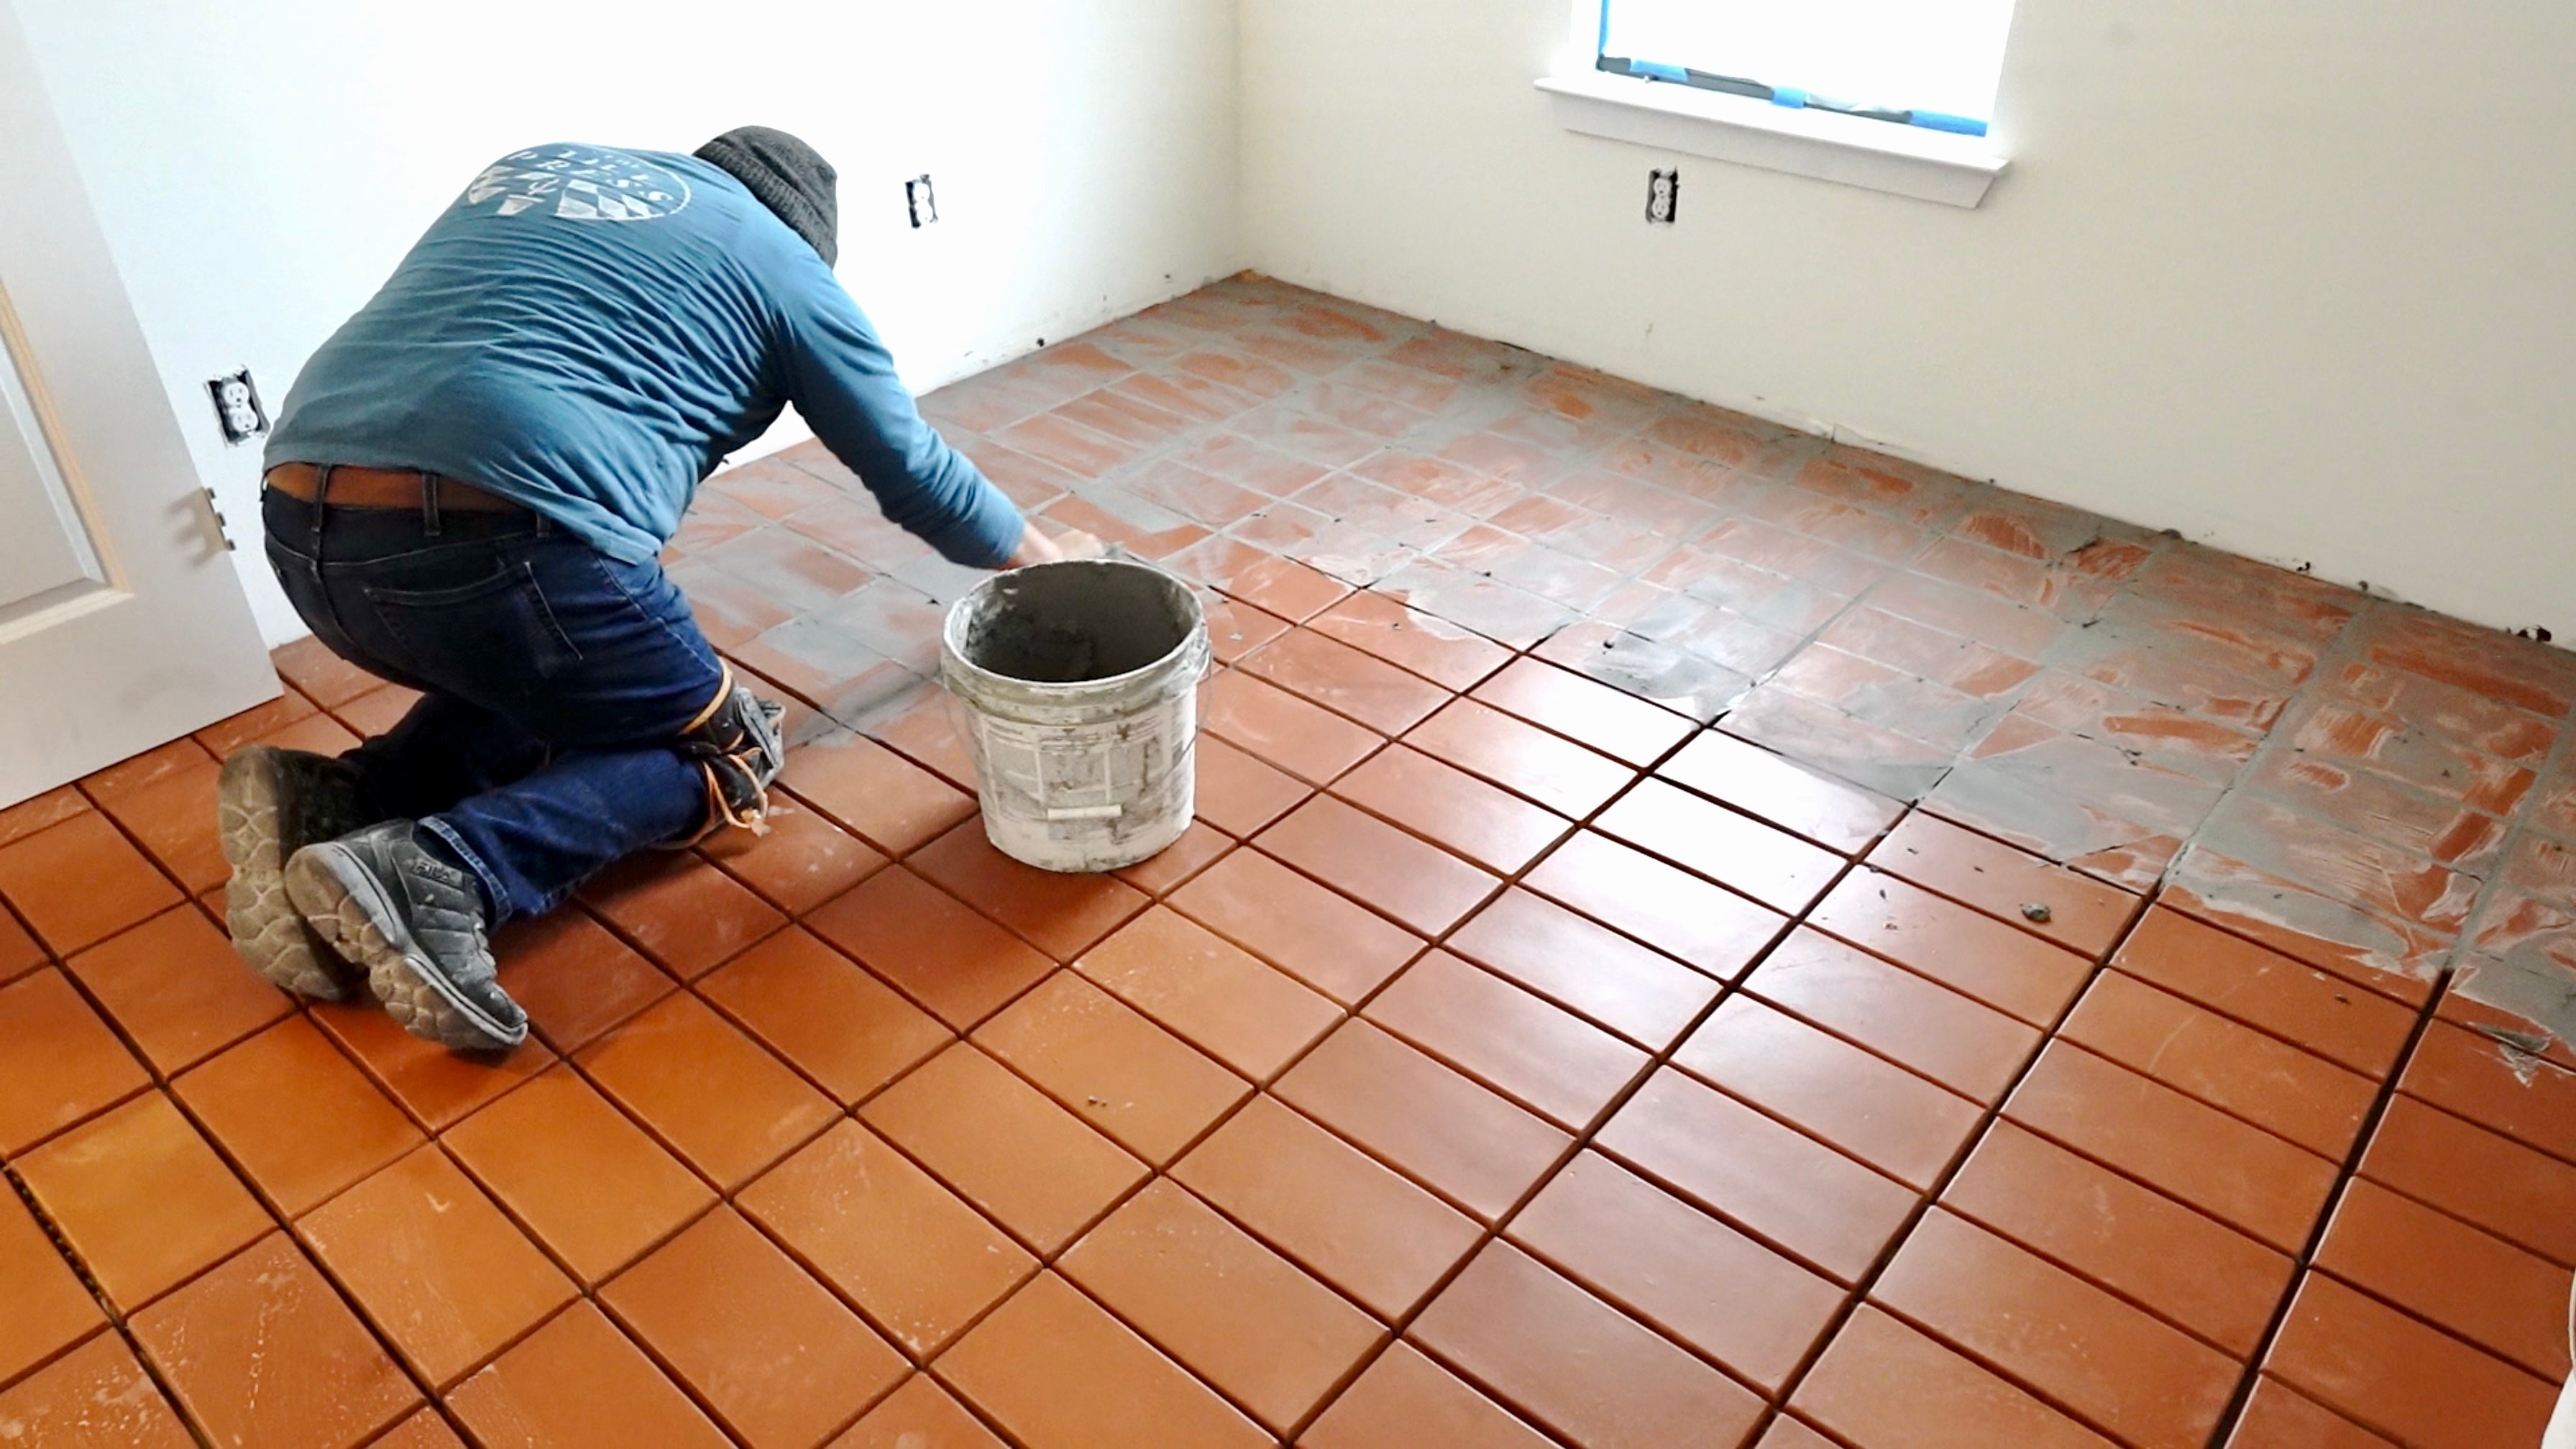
[{"x": 1078, "y": 683}]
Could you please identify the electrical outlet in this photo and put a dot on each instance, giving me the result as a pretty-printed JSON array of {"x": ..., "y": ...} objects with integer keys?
[
  {"x": 237, "y": 407},
  {"x": 917, "y": 199},
  {"x": 1663, "y": 196}
]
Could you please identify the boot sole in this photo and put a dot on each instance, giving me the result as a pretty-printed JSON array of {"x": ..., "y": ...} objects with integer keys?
[
  {"x": 350, "y": 910},
  {"x": 267, "y": 931}
]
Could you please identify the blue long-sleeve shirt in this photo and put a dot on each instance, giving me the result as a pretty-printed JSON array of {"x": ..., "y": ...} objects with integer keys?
[{"x": 589, "y": 331}]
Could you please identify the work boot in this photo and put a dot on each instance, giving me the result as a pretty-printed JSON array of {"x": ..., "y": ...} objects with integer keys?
[
  {"x": 416, "y": 924},
  {"x": 269, "y": 804}
]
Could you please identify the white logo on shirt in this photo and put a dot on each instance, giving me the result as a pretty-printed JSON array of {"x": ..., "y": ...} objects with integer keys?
[{"x": 581, "y": 183}]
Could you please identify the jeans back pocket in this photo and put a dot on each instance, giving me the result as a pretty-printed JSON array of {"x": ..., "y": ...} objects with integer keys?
[{"x": 487, "y": 640}]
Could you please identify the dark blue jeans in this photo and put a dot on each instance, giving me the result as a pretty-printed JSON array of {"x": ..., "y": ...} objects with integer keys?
[{"x": 554, "y": 681}]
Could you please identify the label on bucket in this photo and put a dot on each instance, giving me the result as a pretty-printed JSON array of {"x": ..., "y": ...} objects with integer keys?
[{"x": 1103, "y": 772}]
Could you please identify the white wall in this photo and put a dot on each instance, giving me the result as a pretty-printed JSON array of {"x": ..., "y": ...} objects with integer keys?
[
  {"x": 260, "y": 165},
  {"x": 2297, "y": 277}
]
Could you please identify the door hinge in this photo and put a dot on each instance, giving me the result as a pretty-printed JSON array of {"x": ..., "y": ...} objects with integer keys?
[{"x": 215, "y": 516}]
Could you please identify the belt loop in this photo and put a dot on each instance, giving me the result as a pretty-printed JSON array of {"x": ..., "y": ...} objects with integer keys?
[
  {"x": 429, "y": 504},
  {"x": 321, "y": 501}
]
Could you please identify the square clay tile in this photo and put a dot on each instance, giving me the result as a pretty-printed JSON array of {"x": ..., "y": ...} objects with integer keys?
[
  {"x": 2522, "y": 1195},
  {"x": 174, "y": 819},
  {"x": 339, "y": 1128},
  {"x": 55, "y": 806},
  {"x": 1248, "y": 1321},
  {"x": 1322, "y": 939},
  {"x": 315, "y": 734},
  {"x": 137, "y": 772},
  {"x": 1405, "y": 1398},
  {"x": 1111, "y": 1067},
  {"x": 891, "y": 803},
  {"x": 2009, "y": 970},
  {"x": 1285, "y": 588},
  {"x": 58, "y": 1062},
  {"x": 1644, "y": 995},
  {"x": 377, "y": 711},
  {"x": 587, "y": 1183},
  {"x": 1574, "y": 1363},
  {"x": 1910, "y": 1020},
  {"x": 2494, "y": 1086},
  {"x": 706, "y": 1090},
  {"x": 1419, "y": 885},
  {"x": 2052, "y": 1331},
  {"x": 830, "y": 1019},
  {"x": 49, "y": 1308},
  {"x": 1281, "y": 729},
  {"x": 1036, "y": 1168},
  {"x": 262, "y": 1351},
  {"x": 2333, "y": 933},
  {"x": 1431, "y": 647},
  {"x": 1557, "y": 773},
  {"x": 1346, "y": 1218},
  {"x": 1061, "y": 913},
  {"x": 2284, "y": 996},
  {"x": 2234, "y": 1068},
  {"x": 436, "y": 1086},
  {"x": 1239, "y": 794},
  {"x": 2507, "y": 1301},
  {"x": 2277, "y": 1416},
  {"x": 578, "y": 1380},
  {"x": 1236, "y": 629},
  {"x": 912, "y": 1255},
  {"x": 320, "y": 675},
  {"x": 1546, "y": 1059},
  {"x": 1772, "y": 866},
  {"x": 1732, "y": 1299},
  {"x": 1486, "y": 824},
  {"x": 1052, "y": 1368},
  {"x": 175, "y": 986},
  {"x": 19, "y": 953},
  {"x": 234, "y": 731},
  {"x": 2147, "y": 1130},
  {"x": 679, "y": 910},
  {"x": 141, "y": 1199},
  {"x": 2076, "y": 911},
  {"x": 930, "y": 946},
  {"x": 2402, "y": 1376},
  {"x": 774, "y": 1354},
  {"x": 1669, "y": 909},
  {"x": 920, "y": 1415},
  {"x": 802, "y": 862},
  {"x": 1617, "y": 724},
  {"x": 1219, "y": 997},
  {"x": 2183, "y": 1266},
  {"x": 81, "y": 882},
  {"x": 1453, "y": 1136},
  {"x": 923, "y": 726},
  {"x": 1346, "y": 681},
  {"x": 1168, "y": 869},
  {"x": 95, "y": 1397},
  {"x": 1895, "y": 1121},
  {"x": 1772, "y": 1181},
  {"x": 1832, "y": 813},
  {"x": 1881, "y": 1382},
  {"x": 573, "y": 977}
]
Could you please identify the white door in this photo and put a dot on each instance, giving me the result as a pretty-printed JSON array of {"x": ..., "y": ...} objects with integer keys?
[{"x": 122, "y": 623}]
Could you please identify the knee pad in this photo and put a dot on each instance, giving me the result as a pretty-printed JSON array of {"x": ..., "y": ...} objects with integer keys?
[{"x": 738, "y": 746}]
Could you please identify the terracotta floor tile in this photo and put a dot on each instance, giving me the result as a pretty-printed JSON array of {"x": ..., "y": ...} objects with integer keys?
[
  {"x": 1744, "y": 1306},
  {"x": 1429, "y": 646},
  {"x": 174, "y": 820},
  {"x": 587, "y": 1183},
  {"x": 1250, "y": 1322},
  {"x": 1055, "y": 1370},
  {"x": 1030, "y": 1164},
  {"x": 1897, "y": 1122},
  {"x": 681, "y": 911},
  {"x": 423, "y": 1430},
  {"x": 1557, "y": 773},
  {"x": 1346, "y": 681},
  {"x": 1617, "y": 724},
  {"x": 1788, "y": 1433},
  {"x": 1641, "y": 994},
  {"x": 1775, "y": 868},
  {"x": 95, "y": 1397},
  {"x": 1445, "y": 1131},
  {"x": 48, "y": 1306},
  {"x": 1363, "y": 857},
  {"x": 19, "y": 953},
  {"x": 579, "y": 1381},
  {"x": 1667, "y": 908},
  {"x": 435, "y": 1265},
  {"x": 175, "y": 986},
  {"x": 1169, "y": 869},
  {"x": 2507, "y": 1301},
  {"x": 2235, "y": 1068},
  {"x": 1575, "y": 1364},
  {"x": 1284, "y": 730},
  {"x": 1111, "y": 1067},
  {"x": 53, "y": 807},
  {"x": 320, "y": 675},
  {"x": 1489, "y": 826},
  {"x": 1908, "y": 1019},
  {"x": 1882, "y": 1383},
  {"x": 1405, "y": 1398},
  {"x": 1770, "y": 787},
  {"x": 1239, "y": 794},
  {"x": 2237, "y": 1173},
  {"x": 301, "y": 1122},
  {"x": 1323, "y": 939},
  {"x": 2081, "y": 913},
  {"x": 2286, "y": 997},
  {"x": 2340, "y": 936},
  {"x": 774, "y": 1354},
  {"x": 2279, "y": 1417},
  {"x": 141, "y": 1199},
  {"x": 802, "y": 862},
  {"x": 2009, "y": 970},
  {"x": 890, "y": 802},
  {"x": 436, "y": 1086},
  {"x": 920, "y": 1415},
  {"x": 2516, "y": 1192},
  {"x": 1546, "y": 1059},
  {"x": 573, "y": 977},
  {"x": 706, "y": 1090},
  {"x": 1061, "y": 914},
  {"x": 2471, "y": 1075},
  {"x": 910, "y": 1254},
  {"x": 829, "y": 1018},
  {"x": 1331, "y": 1207},
  {"x": 1236, "y": 628},
  {"x": 1219, "y": 997},
  {"x": 262, "y": 1351},
  {"x": 126, "y": 777},
  {"x": 80, "y": 882},
  {"x": 2401, "y": 1376},
  {"x": 234, "y": 731},
  {"x": 376, "y": 711},
  {"x": 1770, "y": 1180},
  {"x": 936, "y": 950},
  {"x": 59, "y": 1063}
]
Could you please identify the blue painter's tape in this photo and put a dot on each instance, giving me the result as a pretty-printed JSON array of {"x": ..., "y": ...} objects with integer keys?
[
  {"x": 1789, "y": 96},
  {"x": 1659, "y": 71},
  {"x": 1937, "y": 121}
]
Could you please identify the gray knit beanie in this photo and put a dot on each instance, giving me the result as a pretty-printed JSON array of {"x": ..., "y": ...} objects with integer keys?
[{"x": 788, "y": 176}]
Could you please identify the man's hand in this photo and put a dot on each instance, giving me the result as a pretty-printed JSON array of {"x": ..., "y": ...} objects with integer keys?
[{"x": 1036, "y": 548}]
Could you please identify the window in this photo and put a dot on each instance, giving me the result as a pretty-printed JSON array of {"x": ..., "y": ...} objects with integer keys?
[{"x": 1929, "y": 63}]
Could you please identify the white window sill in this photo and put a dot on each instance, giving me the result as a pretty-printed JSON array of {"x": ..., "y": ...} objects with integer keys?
[{"x": 1879, "y": 155}]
